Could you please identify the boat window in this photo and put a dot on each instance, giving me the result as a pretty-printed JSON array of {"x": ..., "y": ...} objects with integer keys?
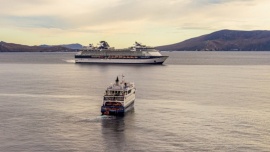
[
  {"x": 108, "y": 98},
  {"x": 113, "y": 104}
]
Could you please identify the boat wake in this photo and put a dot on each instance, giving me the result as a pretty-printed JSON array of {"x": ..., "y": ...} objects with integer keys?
[
  {"x": 98, "y": 119},
  {"x": 69, "y": 61}
]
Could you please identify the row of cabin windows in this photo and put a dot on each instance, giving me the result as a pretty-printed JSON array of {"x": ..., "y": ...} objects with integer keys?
[
  {"x": 114, "y": 57},
  {"x": 113, "y": 104},
  {"x": 114, "y": 98},
  {"x": 118, "y": 93}
]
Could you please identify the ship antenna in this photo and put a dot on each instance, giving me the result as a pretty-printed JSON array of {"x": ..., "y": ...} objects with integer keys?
[
  {"x": 123, "y": 78},
  {"x": 117, "y": 80}
]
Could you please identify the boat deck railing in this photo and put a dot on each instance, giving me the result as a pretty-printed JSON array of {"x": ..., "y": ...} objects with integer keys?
[
  {"x": 121, "y": 98},
  {"x": 114, "y": 53},
  {"x": 113, "y": 104}
]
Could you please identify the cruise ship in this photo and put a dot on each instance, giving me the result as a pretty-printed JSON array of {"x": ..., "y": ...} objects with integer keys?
[
  {"x": 118, "y": 98},
  {"x": 103, "y": 53}
]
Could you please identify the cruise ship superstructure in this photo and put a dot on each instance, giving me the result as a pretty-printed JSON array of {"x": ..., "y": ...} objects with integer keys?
[
  {"x": 118, "y": 98},
  {"x": 103, "y": 53}
]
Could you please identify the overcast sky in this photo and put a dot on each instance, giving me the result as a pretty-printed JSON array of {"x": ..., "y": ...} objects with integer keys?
[{"x": 121, "y": 22}]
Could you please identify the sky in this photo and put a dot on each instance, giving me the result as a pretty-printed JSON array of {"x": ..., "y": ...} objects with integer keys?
[{"x": 122, "y": 22}]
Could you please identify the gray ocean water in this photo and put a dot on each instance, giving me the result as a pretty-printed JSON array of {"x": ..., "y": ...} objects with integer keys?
[{"x": 195, "y": 101}]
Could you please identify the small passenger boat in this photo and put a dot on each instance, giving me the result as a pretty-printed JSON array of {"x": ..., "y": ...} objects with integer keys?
[{"x": 118, "y": 98}]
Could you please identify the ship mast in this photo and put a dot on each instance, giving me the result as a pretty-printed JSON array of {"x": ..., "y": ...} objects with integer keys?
[{"x": 117, "y": 81}]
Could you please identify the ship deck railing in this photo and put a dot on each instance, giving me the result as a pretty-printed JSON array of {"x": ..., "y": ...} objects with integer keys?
[
  {"x": 114, "y": 53},
  {"x": 114, "y": 98}
]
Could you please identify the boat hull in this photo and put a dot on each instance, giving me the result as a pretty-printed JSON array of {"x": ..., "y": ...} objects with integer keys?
[
  {"x": 153, "y": 60},
  {"x": 110, "y": 110}
]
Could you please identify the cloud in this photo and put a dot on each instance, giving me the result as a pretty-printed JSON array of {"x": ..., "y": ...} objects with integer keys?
[
  {"x": 207, "y": 2},
  {"x": 34, "y": 21},
  {"x": 132, "y": 17},
  {"x": 75, "y": 14}
]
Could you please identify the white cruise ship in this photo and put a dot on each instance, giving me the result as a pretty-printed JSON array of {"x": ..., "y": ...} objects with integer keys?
[
  {"x": 118, "y": 98},
  {"x": 103, "y": 53}
]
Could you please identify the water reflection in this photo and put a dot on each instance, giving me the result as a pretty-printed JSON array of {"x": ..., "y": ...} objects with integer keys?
[{"x": 114, "y": 131}]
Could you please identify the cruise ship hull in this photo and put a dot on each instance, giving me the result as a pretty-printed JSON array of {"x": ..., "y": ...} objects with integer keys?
[{"x": 150, "y": 60}]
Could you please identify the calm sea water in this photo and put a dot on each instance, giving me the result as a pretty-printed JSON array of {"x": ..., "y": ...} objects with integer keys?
[{"x": 196, "y": 101}]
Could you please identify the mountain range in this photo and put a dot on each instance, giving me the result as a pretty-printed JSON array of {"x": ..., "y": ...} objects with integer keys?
[
  {"x": 69, "y": 46},
  {"x": 223, "y": 40},
  {"x": 12, "y": 47}
]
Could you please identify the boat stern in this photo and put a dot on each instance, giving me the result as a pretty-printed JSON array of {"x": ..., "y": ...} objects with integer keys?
[{"x": 106, "y": 110}]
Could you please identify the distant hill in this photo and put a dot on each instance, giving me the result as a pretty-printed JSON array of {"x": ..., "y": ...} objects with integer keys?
[
  {"x": 70, "y": 46},
  {"x": 224, "y": 40},
  {"x": 12, "y": 47}
]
